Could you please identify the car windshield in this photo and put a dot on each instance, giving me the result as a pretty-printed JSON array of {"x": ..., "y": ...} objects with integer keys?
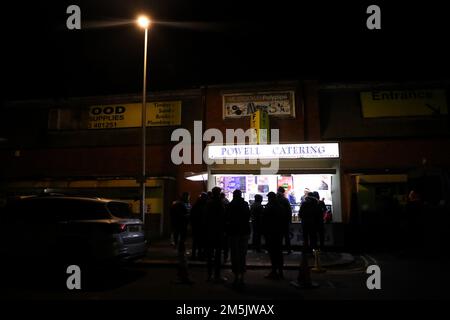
[{"x": 120, "y": 209}]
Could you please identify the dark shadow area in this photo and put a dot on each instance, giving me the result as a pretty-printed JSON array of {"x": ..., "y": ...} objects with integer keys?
[{"x": 38, "y": 276}]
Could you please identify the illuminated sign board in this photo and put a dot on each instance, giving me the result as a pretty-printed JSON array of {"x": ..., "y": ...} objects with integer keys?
[{"x": 274, "y": 151}]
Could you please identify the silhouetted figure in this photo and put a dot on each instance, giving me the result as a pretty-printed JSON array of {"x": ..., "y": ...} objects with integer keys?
[
  {"x": 224, "y": 199},
  {"x": 256, "y": 214},
  {"x": 414, "y": 213},
  {"x": 238, "y": 231},
  {"x": 274, "y": 228},
  {"x": 179, "y": 214},
  {"x": 198, "y": 226},
  {"x": 287, "y": 215},
  {"x": 180, "y": 219},
  {"x": 309, "y": 211},
  {"x": 225, "y": 245},
  {"x": 215, "y": 228},
  {"x": 320, "y": 227},
  {"x": 388, "y": 210}
]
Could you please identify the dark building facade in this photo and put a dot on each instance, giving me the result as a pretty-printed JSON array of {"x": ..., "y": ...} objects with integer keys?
[
  {"x": 393, "y": 140},
  {"x": 50, "y": 146},
  {"x": 59, "y": 146}
]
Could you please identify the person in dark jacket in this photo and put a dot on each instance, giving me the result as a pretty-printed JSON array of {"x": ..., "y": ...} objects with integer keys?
[
  {"x": 414, "y": 210},
  {"x": 238, "y": 231},
  {"x": 256, "y": 214},
  {"x": 320, "y": 220},
  {"x": 197, "y": 225},
  {"x": 274, "y": 228},
  {"x": 225, "y": 245},
  {"x": 309, "y": 211},
  {"x": 179, "y": 214},
  {"x": 215, "y": 229},
  {"x": 287, "y": 214}
]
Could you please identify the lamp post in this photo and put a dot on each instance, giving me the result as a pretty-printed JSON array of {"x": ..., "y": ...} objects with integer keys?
[{"x": 144, "y": 23}]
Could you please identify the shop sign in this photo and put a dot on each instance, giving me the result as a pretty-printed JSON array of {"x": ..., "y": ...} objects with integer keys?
[
  {"x": 403, "y": 103},
  {"x": 274, "y": 151},
  {"x": 259, "y": 121},
  {"x": 115, "y": 116},
  {"x": 278, "y": 103},
  {"x": 167, "y": 113}
]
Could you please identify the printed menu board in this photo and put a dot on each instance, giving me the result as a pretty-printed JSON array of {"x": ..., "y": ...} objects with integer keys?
[
  {"x": 285, "y": 182},
  {"x": 230, "y": 183}
]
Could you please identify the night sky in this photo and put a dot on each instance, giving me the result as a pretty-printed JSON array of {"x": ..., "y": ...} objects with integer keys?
[{"x": 198, "y": 42}]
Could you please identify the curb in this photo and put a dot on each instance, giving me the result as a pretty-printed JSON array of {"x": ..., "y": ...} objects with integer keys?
[{"x": 288, "y": 266}]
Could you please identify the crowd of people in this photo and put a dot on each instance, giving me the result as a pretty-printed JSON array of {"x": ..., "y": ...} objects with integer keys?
[{"x": 222, "y": 228}]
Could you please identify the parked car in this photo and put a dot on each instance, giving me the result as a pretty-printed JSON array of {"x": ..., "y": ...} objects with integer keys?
[{"x": 71, "y": 228}]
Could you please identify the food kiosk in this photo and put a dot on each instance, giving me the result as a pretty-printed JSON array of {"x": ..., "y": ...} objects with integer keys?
[{"x": 296, "y": 167}]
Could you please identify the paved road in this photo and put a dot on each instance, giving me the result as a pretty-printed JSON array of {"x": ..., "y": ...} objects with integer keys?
[{"x": 401, "y": 278}]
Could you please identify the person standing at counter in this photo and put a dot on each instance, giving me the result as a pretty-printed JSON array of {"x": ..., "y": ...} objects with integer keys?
[
  {"x": 198, "y": 227},
  {"x": 237, "y": 223},
  {"x": 309, "y": 213},
  {"x": 414, "y": 211},
  {"x": 274, "y": 228},
  {"x": 320, "y": 219},
  {"x": 256, "y": 214},
  {"x": 179, "y": 214},
  {"x": 215, "y": 229},
  {"x": 287, "y": 215},
  {"x": 225, "y": 245}
]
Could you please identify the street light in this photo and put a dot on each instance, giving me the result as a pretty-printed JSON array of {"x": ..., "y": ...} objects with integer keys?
[{"x": 144, "y": 22}]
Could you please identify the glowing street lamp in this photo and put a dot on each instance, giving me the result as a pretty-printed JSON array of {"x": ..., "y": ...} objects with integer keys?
[{"x": 144, "y": 22}]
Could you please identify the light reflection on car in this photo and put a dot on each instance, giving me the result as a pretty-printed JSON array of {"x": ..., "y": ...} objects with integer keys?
[{"x": 71, "y": 228}]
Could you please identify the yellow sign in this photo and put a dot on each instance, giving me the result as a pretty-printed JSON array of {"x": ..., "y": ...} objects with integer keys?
[
  {"x": 115, "y": 116},
  {"x": 260, "y": 120},
  {"x": 403, "y": 103},
  {"x": 167, "y": 113},
  {"x": 130, "y": 115}
]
